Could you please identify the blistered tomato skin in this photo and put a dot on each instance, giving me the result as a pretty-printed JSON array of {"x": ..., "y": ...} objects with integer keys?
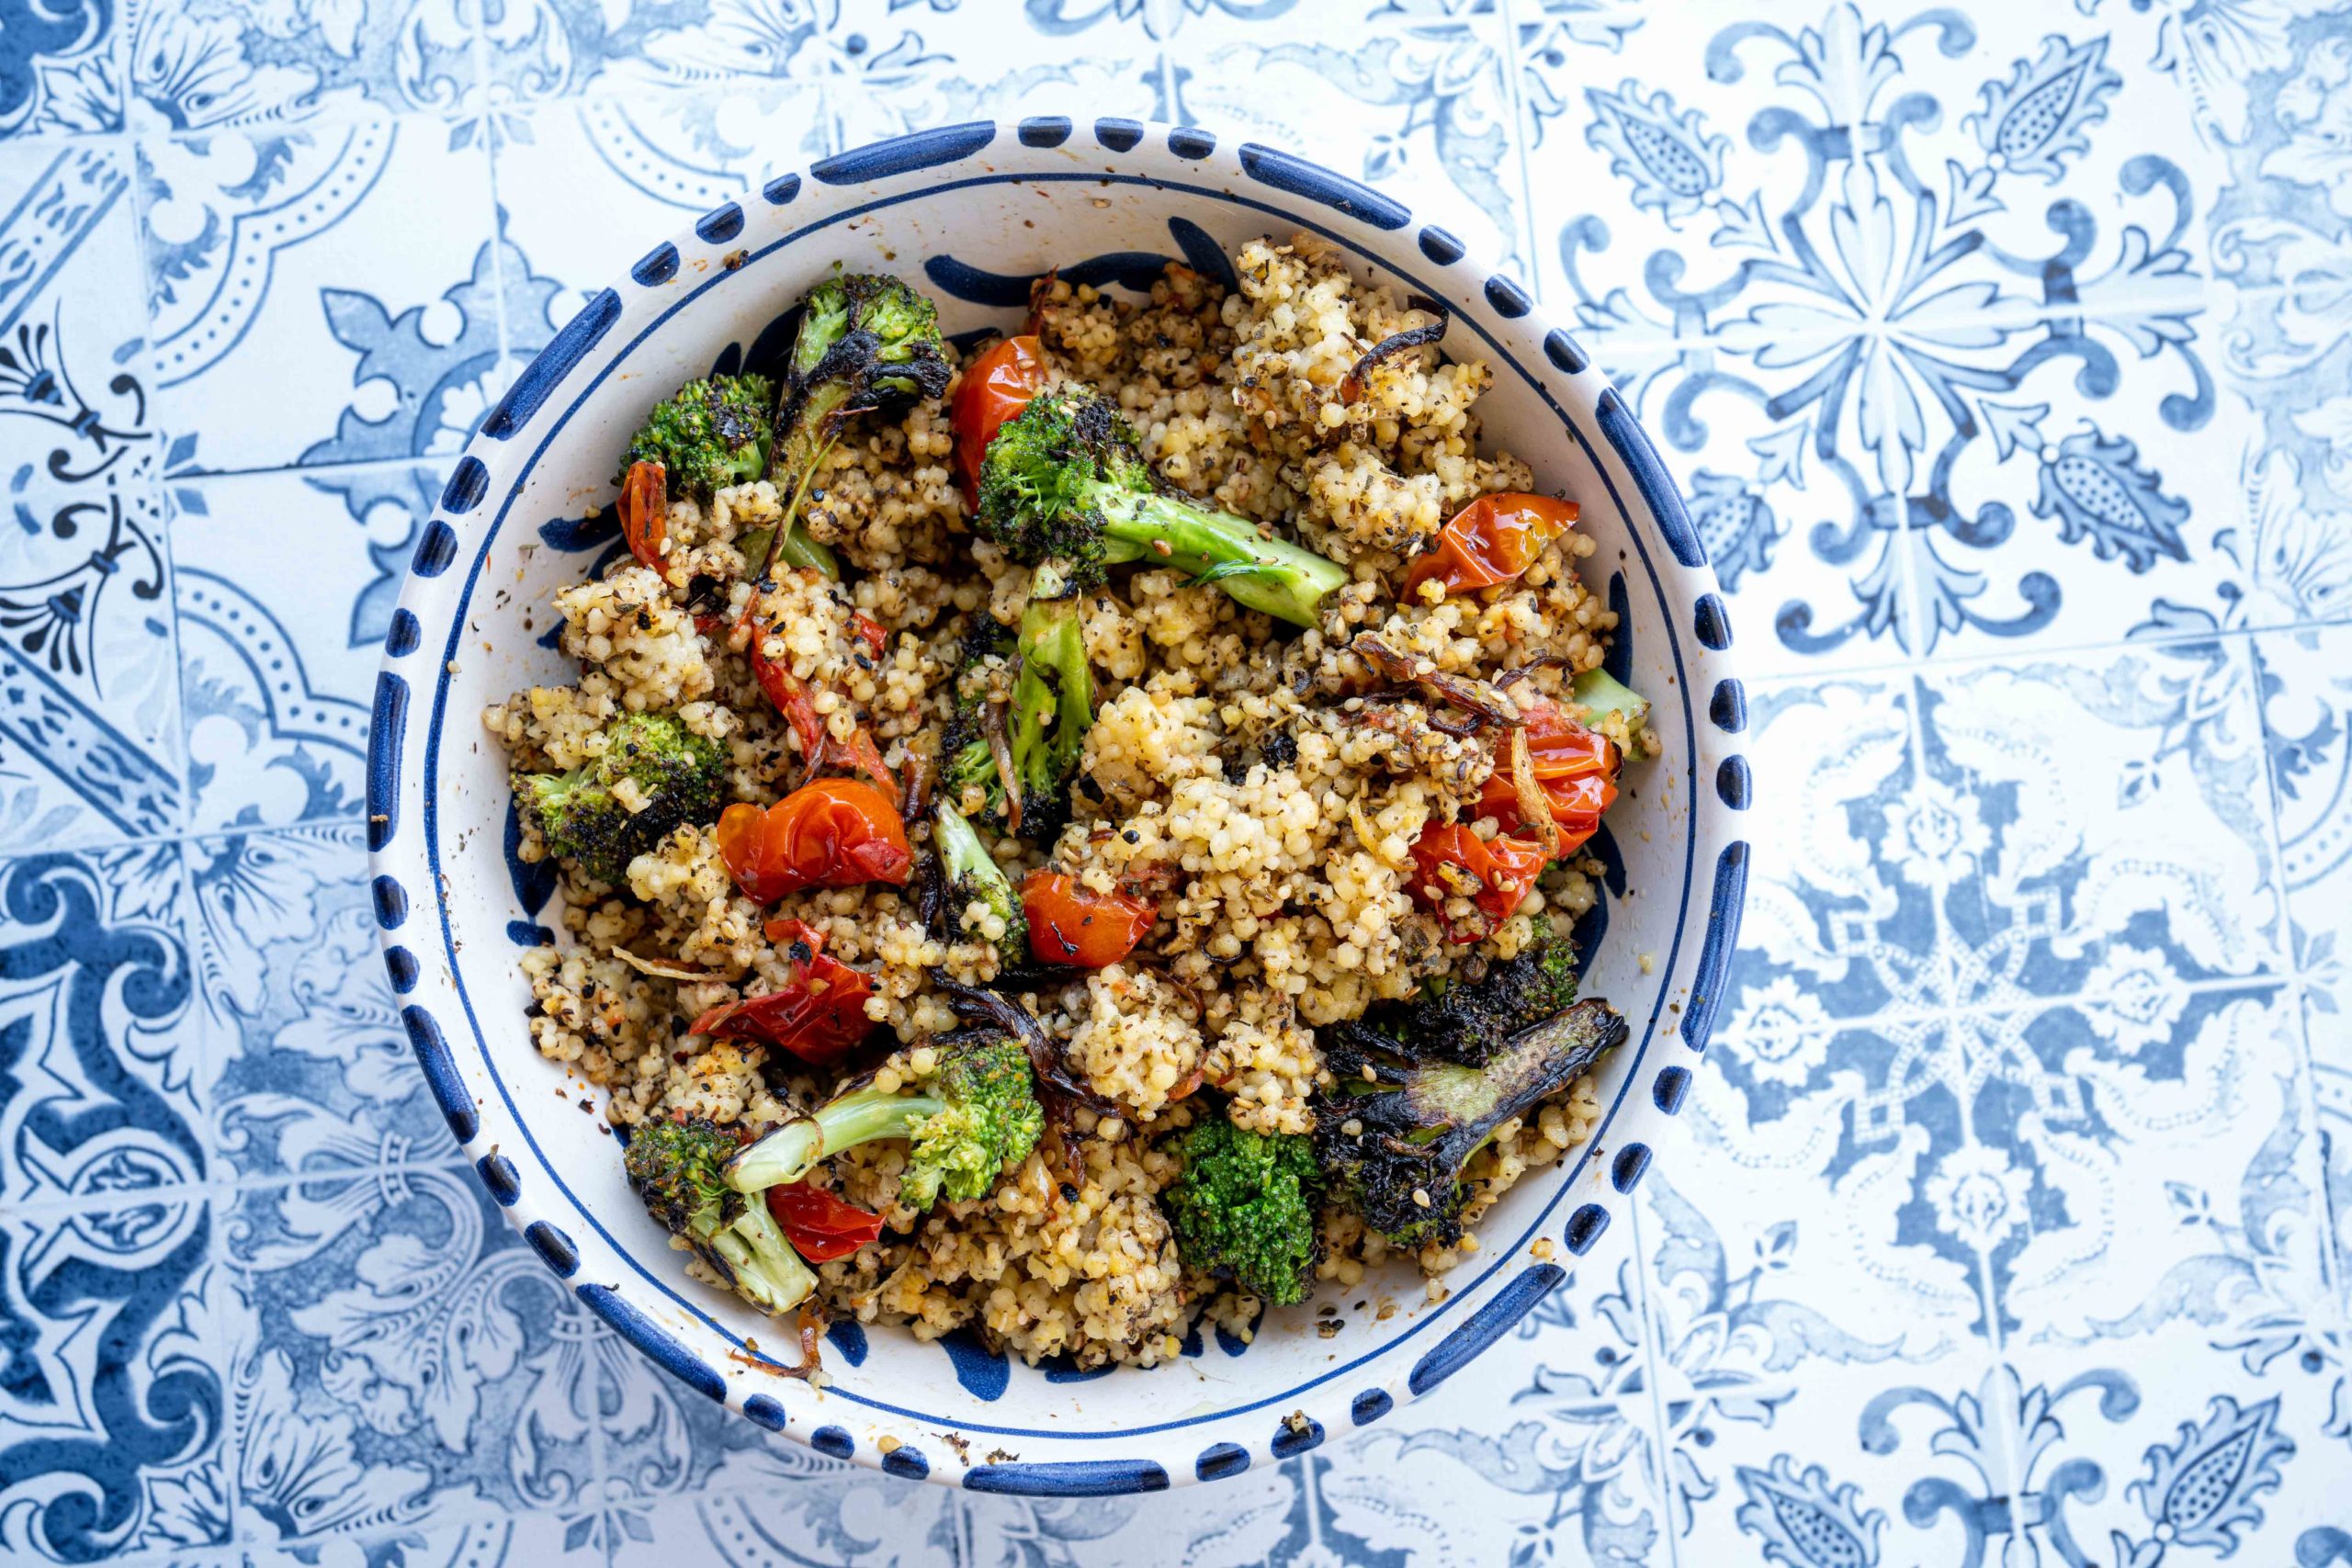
[
  {"x": 820, "y": 1227},
  {"x": 1576, "y": 767},
  {"x": 819, "y": 1016},
  {"x": 1069, "y": 924},
  {"x": 1490, "y": 541},
  {"x": 644, "y": 507},
  {"x": 996, "y": 387},
  {"x": 1450, "y": 860},
  {"x": 830, "y": 833}
]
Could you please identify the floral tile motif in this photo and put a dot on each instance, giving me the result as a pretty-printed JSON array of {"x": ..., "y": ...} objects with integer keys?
[
  {"x": 314, "y": 1076},
  {"x": 285, "y": 271},
  {"x": 88, "y": 697},
  {"x": 508, "y": 1541},
  {"x": 2306, "y": 683},
  {"x": 275, "y": 685},
  {"x": 60, "y": 69},
  {"x": 107, "y": 1335},
  {"x": 1412, "y": 98},
  {"x": 400, "y": 1360},
  {"x": 207, "y": 69}
]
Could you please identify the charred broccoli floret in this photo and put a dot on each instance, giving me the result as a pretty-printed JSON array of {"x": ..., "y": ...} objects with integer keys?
[
  {"x": 1067, "y": 480},
  {"x": 1393, "y": 1134},
  {"x": 653, "y": 776},
  {"x": 711, "y": 433},
  {"x": 1042, "y": 723},
  {"x": 1244, "y": 1208},
  {"x": 1474, "y": 1017},
  {"x": 973, "y": 876},
  {"x": 978, "y": 1113},
  {"x": 678, "y": 1168}
]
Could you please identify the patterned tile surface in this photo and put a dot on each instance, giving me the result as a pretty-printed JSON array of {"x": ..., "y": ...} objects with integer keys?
[{"x": 2004, "y": 351}]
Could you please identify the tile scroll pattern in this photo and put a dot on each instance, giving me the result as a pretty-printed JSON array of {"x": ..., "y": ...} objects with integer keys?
[{"x": 2005, "y": 352}]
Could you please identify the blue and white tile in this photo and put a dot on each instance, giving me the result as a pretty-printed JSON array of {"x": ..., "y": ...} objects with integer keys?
[
  {"x": 1412, "y": 98},
  {"x": 113, "y": 1418},
  {"x": 312, "y": 1076},
  {"x": 2091, "y": 820},
  {"x": 299, "y": 311},
  {"x": 399, "y": 1361},
  {"x": 61, "y": 70},
  {"x": 277, "y": 669},
  {"x": 208, "y": 69},
  {"x": 508, "y": 1541},
  {"x": 89, "y": 699},
  {"x": 2193, "y": 1444}
]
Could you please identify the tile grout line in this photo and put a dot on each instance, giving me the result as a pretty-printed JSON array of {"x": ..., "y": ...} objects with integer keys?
[
  {"x": 1522, "y": 144},
  {"x": 1653, "y": 1354}
]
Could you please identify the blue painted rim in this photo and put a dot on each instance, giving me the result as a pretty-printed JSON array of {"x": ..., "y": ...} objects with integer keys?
[{"x": 535, "y": 392}]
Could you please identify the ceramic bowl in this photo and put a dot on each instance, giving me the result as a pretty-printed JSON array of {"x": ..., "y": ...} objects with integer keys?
[{"x": 971, "y": 212}]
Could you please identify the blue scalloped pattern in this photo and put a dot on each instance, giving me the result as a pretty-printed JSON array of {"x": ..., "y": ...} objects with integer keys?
[
  {"x": 1295, "y": 176},
  {"x": 1073, "y": 1478},
  {"x": 781, "y": 191},
  {"x": 1370, "y": 1406},
  {"x": 1723, "y": 939},
  {"x": 1190, "y": 141},
  {"x": 1044, "y": 130},
  {"x": 1728, "y": 706},
  {"x": 498, "y": 1175},
  {"x": 907, "y": 1463},
  {"x": 386, "y": 732},
  {"x": 1508, "y": 299},
  {"x": 720, "y": 225},
  {"x": 559, "y": 358},
  {"x": 392, "y": 903},
  {"x": 1731, "y": 783},
  {"x": 832, "y": 1440},
  {"x": 1118, "y": 135},
  {"x": 402, "y": 638},
  {"x": 1625, "y": 1170},
  {"x": 1439, "y": 245},
  {"x": 985, "y": 1373},
  {"x": 1483, "y": 1327},
  {"x": 1290, "y": 1440},
  {"x": 554, "y": 1247},
  {"x": 468, "y": 482},
  {"x": 658, "y": 266},
  {"x": 435, "y": 549},
  {"x": 1565, "y": 352},
  {"x": 1584, "y": 1228},
  {"x": 764, "y": 1410},
  {"x": 655, "y": 1342},
  {"x": 1672, "y": 1084},
  {"x": 1650, "y": 477},
  {"x": 1709, "y": 623},
  {"x": 1219, "y": 1461},
  {"x": 401, "y": 964},
  {"x": 440, "y": 1070},
  {"x": 904, "y": 154}
]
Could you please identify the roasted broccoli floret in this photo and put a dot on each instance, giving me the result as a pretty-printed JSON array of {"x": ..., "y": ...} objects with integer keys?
[
  {"x": 978, "y": 1112},
  {"x": 678, "y": 1169},
  {"x": 973, "y": 876},
  {"x": 1603, "y": 695},
  {"x": 1393, "y": 1134},
  {"x": 1244, "y": 1208},
  {"x": 1475, "y": 1016},
  {"x": 654, "y": 775},
  {"x": 1042, "y": 723},
  {"x": 709, "y": 434},
  {"x": 1067, "y": 480}
]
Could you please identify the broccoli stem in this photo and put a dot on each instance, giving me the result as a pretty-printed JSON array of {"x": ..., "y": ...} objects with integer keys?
[
  {"x": 961, "y": 854},
  {"x": 1054, "y": 678},
  {"x": 791, "y": 1151},
  {"x": 1281, "y": 578},
  {"x": 766, "y": 1268}
]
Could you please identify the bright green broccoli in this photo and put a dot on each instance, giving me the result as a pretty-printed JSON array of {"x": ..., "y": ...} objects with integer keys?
[
  {"x": 1393, "y": 1135},
  {"x": 653, "y": 776},
  {"x": 678, "y": 1168},
  {"x": 709, "y": 434},
  {"x": 973, "y": 876},
  {"x": 1475, "y": 1016},
  {"x": 1067, "y": 480},
  {"x": 1603, "y": 695},
  {"x": 1042, "y": 723},
  {"x": 1244, "y": 1208},
  {"x": 976, "y": 1114}
]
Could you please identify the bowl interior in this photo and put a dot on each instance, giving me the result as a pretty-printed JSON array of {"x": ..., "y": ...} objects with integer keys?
[{"x": 538, "y": 518}]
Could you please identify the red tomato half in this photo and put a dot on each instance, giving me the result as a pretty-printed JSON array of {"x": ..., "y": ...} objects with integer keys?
[
  {"x": 1491, "y": 540},
  {"x": 1071, "y": 924},
  {"x": 820, "y": 1227},
  {"x": 830, "y": 833},
  {"x": 645, "y": 512},
  {"x": 996, "y": 387},
  {"x": 1576, "y": 768},
  {"x": 1502, "y": 870},
  {"x": 817, "y": 1017}
]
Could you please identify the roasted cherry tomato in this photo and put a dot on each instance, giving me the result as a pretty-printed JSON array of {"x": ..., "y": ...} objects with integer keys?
[
  {"x": 869, "y": 632},
  {"x": 820, "y": 1227},
  {"x": 817, "y": 1016},
  {"x": 790, "y": 697},
  {"x": 1451, "y": 862},
  {"x": 1491, "y": 540},
  {"x": 1576, "y": 768},
  {"x": 858, "y": 754},
  {"x": 645, "y": 512},
  {"x": 830, "y": 833},
  {"x": 1068, "y": 923},
  {"x": 996, "y": 386}
]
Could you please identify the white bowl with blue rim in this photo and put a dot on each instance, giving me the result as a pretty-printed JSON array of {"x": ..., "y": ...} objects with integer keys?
[{"x": 972, "y": 212}]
